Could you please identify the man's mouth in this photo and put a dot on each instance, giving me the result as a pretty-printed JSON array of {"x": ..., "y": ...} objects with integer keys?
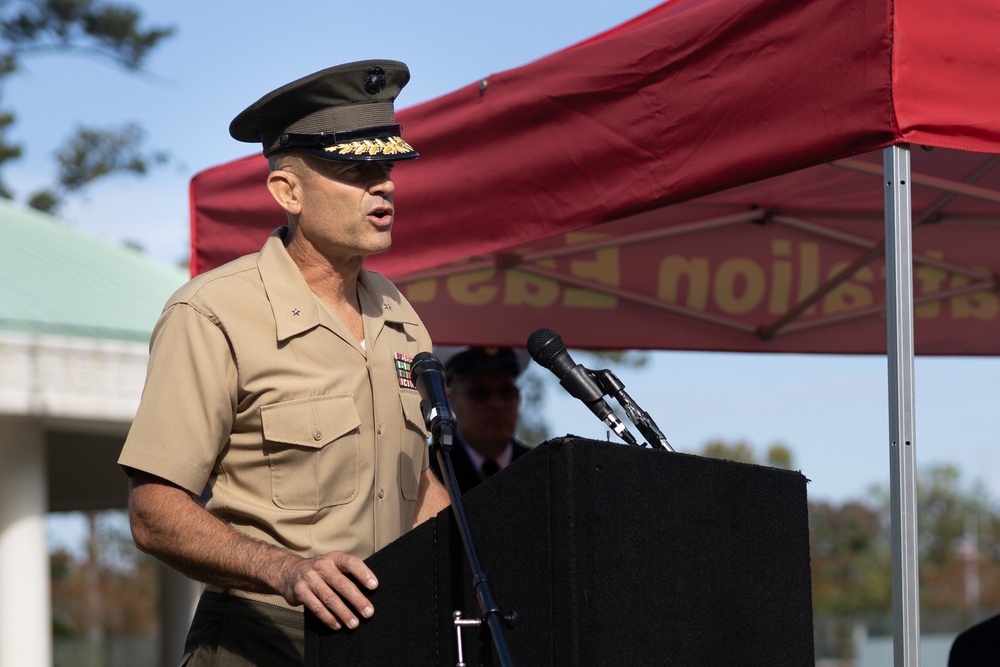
[{"x": 382, "y": 214}]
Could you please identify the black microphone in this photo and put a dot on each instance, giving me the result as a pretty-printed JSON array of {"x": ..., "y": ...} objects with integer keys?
[
  {"x": 439, "y": 418},
  {"x": 547, "y": 349}
]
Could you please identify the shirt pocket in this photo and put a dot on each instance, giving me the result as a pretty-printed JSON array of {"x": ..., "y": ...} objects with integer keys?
[
  {"x": 413, "y": 451},
  {"x": 313, "y": 450}
]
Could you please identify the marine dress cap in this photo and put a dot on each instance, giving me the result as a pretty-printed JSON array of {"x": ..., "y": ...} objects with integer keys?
[
  {"x": 339, "y": 113},
  {"x": 480, "y": 359}
]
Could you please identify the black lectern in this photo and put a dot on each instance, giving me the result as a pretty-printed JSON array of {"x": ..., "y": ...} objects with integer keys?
[{"x": 609, "y": 555}]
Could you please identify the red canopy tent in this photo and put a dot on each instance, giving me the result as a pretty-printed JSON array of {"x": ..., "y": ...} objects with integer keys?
[
  {"x": 703, "y": 177},
  {"x": 662, "y": 175}
]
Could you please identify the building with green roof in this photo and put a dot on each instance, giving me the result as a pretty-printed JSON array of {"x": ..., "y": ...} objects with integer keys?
[
  {"x": 59, "y": 281},
  {"x": 76, "y": 314}
]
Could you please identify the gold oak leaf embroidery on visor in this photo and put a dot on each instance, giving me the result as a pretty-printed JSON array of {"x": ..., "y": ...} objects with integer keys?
[
  {"x": 390, "y": 146},
  {"x": 403, "y": 371}
]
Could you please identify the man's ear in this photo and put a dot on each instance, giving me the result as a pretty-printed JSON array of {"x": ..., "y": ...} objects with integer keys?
[{"x": 286, "y": 188}]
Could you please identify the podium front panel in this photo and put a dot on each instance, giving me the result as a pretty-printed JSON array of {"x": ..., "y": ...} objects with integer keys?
[{"x": 609, "y": 554}]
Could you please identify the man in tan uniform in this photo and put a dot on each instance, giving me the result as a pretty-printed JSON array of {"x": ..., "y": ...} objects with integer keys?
[{"x": 278, "y": 389}]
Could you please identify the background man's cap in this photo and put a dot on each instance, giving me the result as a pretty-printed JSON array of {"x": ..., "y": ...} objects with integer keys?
[
  {"x": 339, "y": 113},
  {"x": 479, "y": 359}
]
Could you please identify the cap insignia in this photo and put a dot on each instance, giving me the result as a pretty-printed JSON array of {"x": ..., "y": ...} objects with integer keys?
[
  {"x": 390, "y": 146},
  {"x": 375, "y": 81}
]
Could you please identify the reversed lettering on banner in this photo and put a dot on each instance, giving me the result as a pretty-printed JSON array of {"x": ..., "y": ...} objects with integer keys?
[{"x": 736, "y": 286}]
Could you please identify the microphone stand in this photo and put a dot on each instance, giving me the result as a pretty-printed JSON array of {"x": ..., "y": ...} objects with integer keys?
[
  {"x": 442, "y": 441},
  {"x": 610, "y": 383}
]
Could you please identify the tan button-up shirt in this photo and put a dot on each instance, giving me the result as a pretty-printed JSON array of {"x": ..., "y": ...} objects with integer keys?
[{"x": 258, "y": 393}]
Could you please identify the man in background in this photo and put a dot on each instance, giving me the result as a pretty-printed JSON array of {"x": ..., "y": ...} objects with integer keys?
[{"x": 483, "y": 391}]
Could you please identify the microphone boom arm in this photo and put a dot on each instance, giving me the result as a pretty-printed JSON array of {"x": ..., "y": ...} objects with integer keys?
[
  {"x": 594, "y": 400},
  {"x": 610, "y": 383}
]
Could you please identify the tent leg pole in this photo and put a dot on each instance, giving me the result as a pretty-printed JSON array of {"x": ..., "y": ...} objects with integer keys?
[{"x": 902, "y": 446}]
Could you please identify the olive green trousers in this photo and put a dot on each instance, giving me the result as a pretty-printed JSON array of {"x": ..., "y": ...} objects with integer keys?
[{"x": 228, "y": 631}]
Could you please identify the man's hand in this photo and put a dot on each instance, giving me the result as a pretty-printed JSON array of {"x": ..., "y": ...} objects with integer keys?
[
  {"x": 326, "y": 586},
  {"x": 168, "y": 523}
]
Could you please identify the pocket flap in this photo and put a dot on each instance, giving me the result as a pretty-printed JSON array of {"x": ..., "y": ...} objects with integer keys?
[
  {"x": 310, "y": 422},
  {"x": 410, "y": 401}
]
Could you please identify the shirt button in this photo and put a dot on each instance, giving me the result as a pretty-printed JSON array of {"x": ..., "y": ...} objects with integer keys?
[
  {"x": 379, "y": 430},
  {"x": 317, "y": 435},
  {"x": 381, "y": 493}
]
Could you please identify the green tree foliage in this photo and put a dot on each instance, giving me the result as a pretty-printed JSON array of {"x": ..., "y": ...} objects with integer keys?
[
  {"x": 110, "y": 590},
  {"x": 729, "y": 451},
  {"x": 958, "y": 536},
  {"x": 957, "y": 533},
  {"x": 93, "y": 153},
  {"x": 849, "y": 558},
  {"x": 83, "y": 27},
  {"x": 777, "y": 455},
  {"x": 958, "y": 530},
  {"x": 629, "y": 359},
  {"x": 532, "y": 427}
]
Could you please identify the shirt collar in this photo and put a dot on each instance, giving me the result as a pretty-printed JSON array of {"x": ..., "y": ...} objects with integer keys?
[
  {"x": 293, "y": 304},
  {"x": 296, "y": 309},
  {"x": 477, "y": 459}
]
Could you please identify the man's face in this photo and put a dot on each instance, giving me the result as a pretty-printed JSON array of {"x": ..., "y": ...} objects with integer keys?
[
  {"x": 486, "y": 406},
  {"x": 347, "y": 208}
]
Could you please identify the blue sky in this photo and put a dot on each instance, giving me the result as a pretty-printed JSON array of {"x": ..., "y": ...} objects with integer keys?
[{"x": 831, "y": 411}]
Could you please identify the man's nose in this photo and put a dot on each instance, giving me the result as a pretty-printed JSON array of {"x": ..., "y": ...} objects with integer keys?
[{"x": 381, "y": 181}]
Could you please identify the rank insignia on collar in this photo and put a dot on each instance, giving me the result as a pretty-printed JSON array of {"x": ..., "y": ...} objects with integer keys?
[{"x": 403, "y": 372}]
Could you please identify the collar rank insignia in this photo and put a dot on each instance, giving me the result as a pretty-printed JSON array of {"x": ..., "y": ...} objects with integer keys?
[{"x": 403, "y": 372}]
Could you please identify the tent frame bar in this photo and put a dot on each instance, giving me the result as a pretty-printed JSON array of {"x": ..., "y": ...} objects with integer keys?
[
  {"x": 925, "y": 180},
  {"x": 902, "y": 442},
  {"x": 877, "y": 248}
]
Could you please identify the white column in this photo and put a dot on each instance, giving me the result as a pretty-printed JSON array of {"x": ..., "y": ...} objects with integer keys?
[
  {"x": 178, "y": 598},
  {"x": 25, "y": 593}
]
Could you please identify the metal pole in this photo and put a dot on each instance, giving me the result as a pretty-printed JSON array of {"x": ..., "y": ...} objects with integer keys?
[
  {"x": 488, "y": 608},
  {"x": 902, "y": 445}
]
